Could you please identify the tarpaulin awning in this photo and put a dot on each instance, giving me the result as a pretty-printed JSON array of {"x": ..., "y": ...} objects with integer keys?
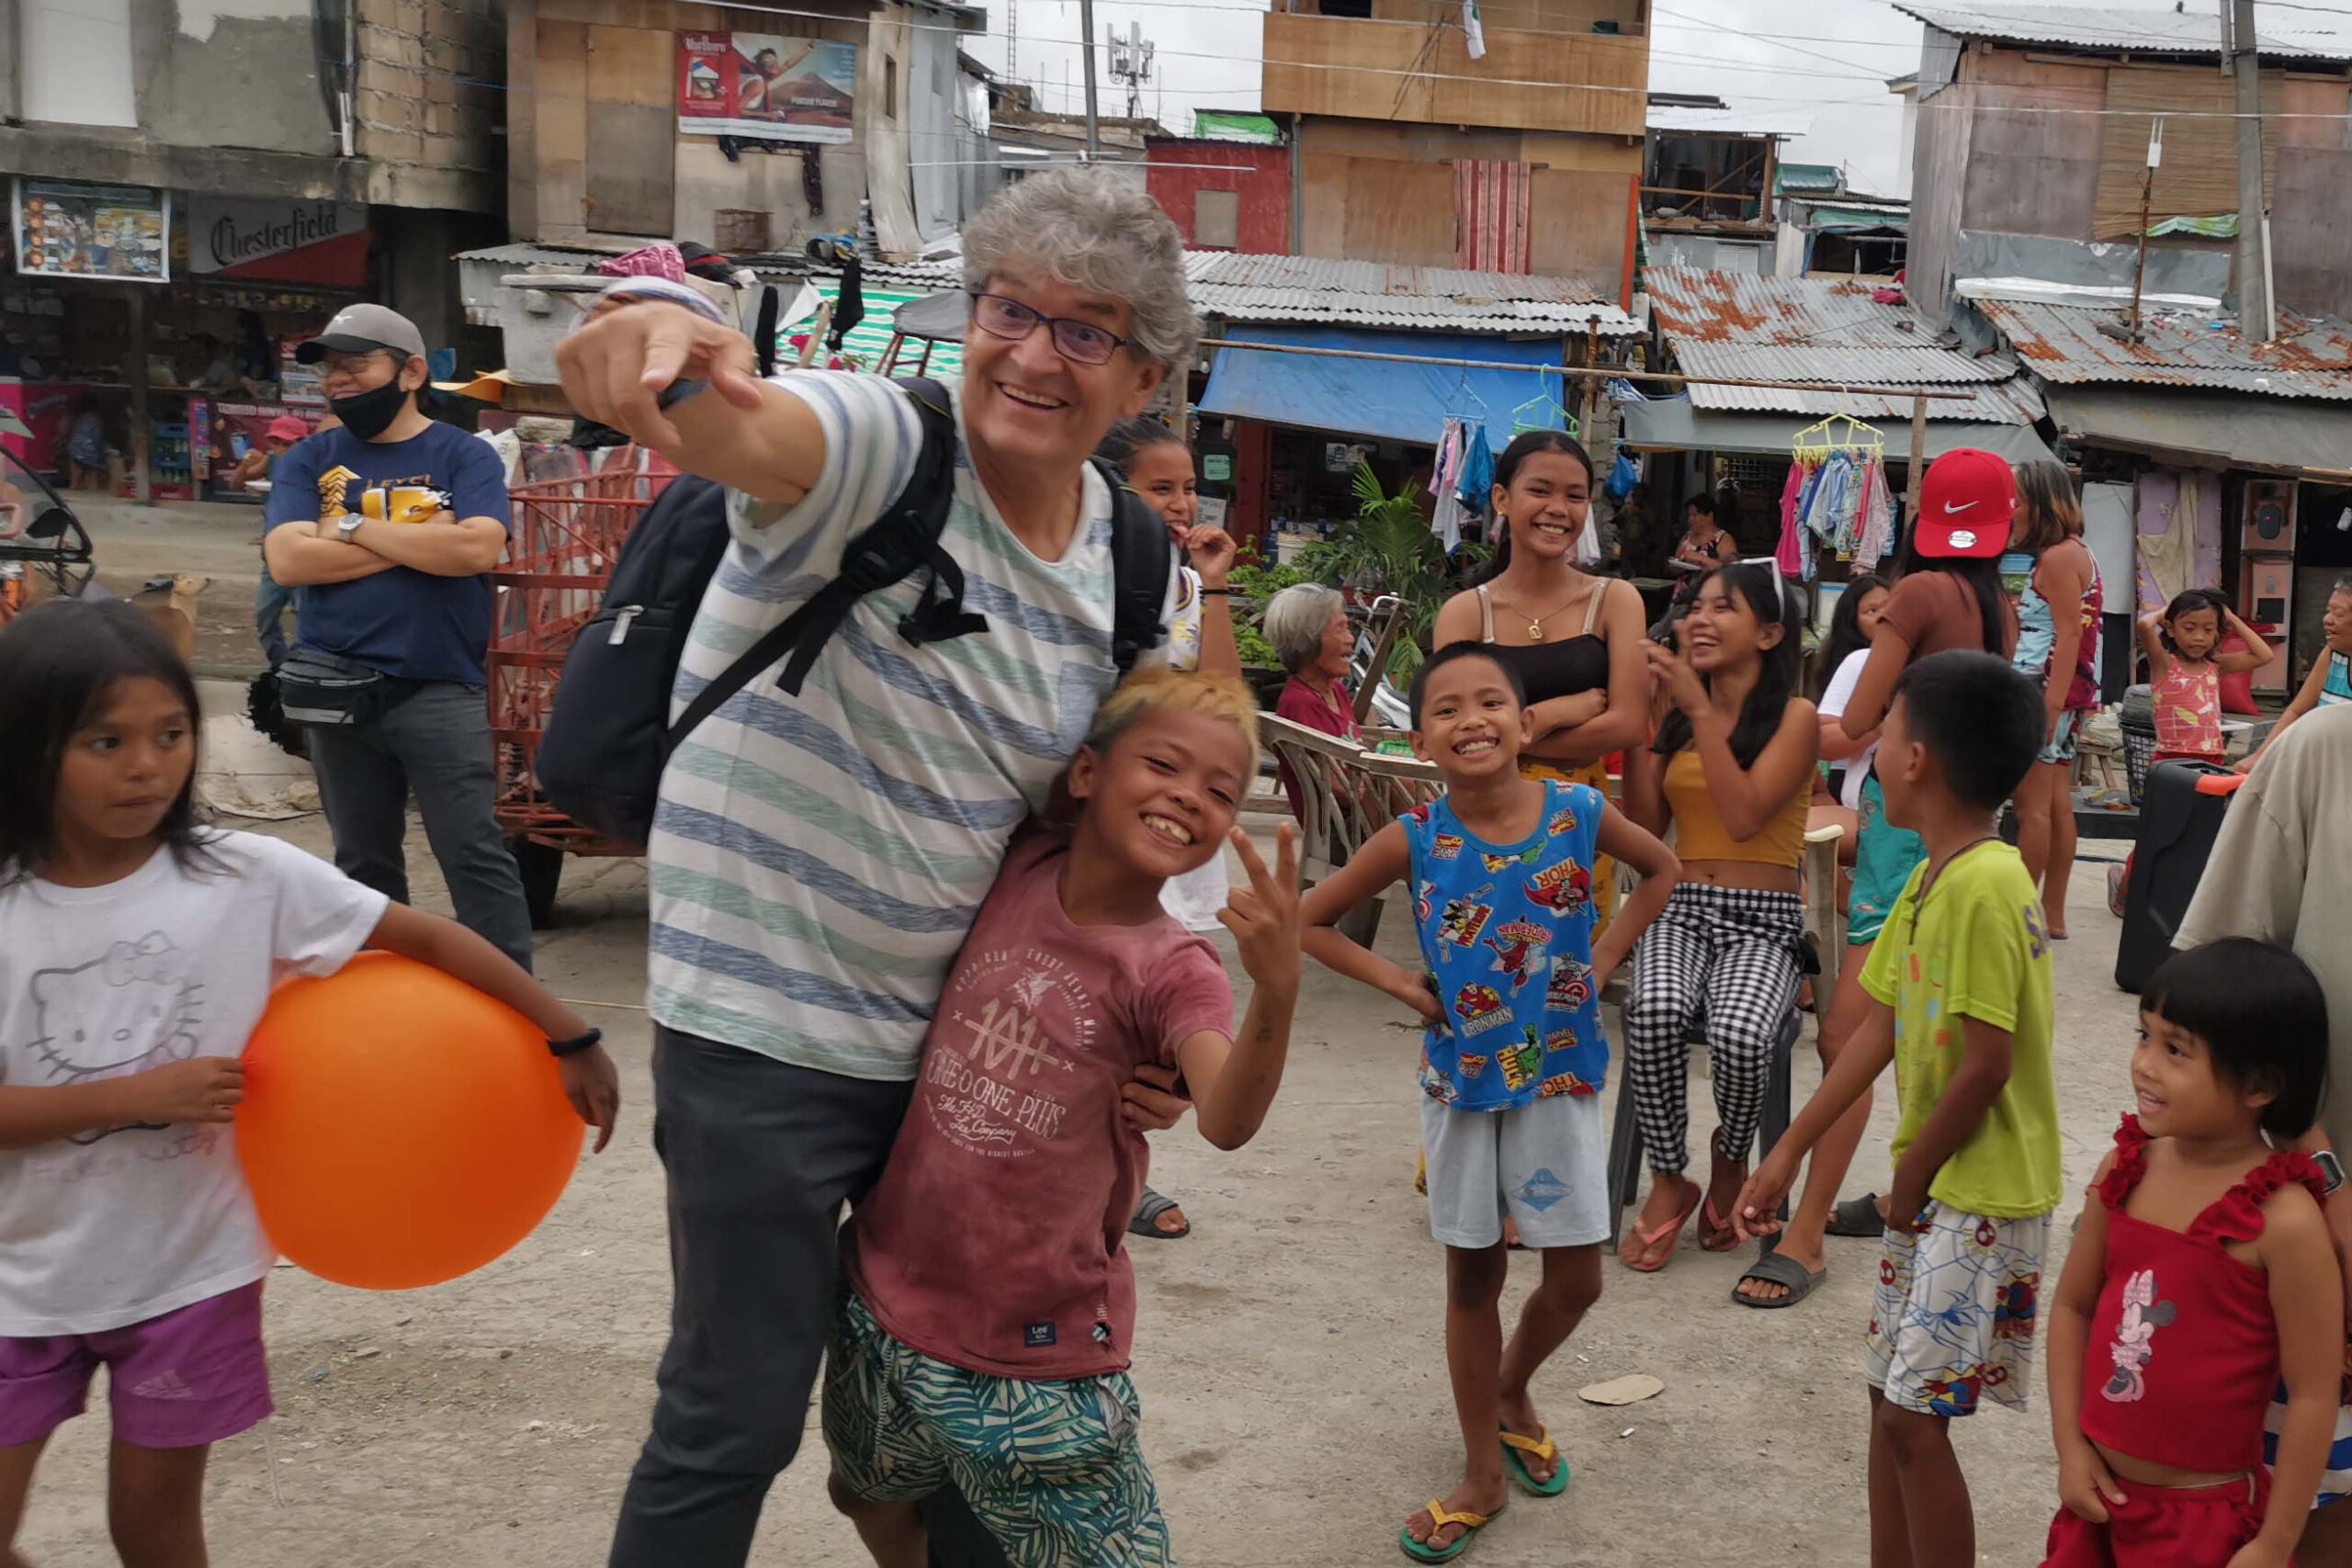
[
  {"x": 1380, "y": 397},
  {"x": 1674, "y": 426},
  {"x": 865, "y": 342},
  {"x": 2219, "y": 429}
]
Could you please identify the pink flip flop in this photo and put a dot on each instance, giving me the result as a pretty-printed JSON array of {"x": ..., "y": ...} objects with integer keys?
[{"x": 1650, "y": 1239}]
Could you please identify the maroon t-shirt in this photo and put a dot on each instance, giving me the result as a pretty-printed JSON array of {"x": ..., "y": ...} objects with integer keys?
[{"x": 994, "y": 1239}]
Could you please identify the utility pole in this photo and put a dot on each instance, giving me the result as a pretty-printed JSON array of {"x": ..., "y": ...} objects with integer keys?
[
  {"x": 1086, "y": 33},
  {"x": 2255, "y": 315}
]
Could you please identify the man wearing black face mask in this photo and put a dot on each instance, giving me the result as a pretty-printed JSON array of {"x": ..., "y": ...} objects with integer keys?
[{"x": 392, "y": 525}]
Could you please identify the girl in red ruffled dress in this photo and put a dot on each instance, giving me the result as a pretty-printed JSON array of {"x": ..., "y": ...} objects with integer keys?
[{"x": 2202, "y": 1276}]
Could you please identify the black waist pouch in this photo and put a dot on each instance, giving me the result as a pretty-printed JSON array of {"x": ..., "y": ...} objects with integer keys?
[{"x": 327, "y": 688}]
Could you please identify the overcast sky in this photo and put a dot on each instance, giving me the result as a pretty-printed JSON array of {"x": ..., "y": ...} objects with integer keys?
[{"x": 1825, "y": 58}]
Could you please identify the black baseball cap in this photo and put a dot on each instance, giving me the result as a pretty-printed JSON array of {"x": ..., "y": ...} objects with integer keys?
[{"x": 363, "y": 329}]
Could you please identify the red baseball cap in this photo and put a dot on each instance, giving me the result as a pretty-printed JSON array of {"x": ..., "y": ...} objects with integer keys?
[
  {"x": 288, "y": 427},
  {"x": 1966, "y": 502}
]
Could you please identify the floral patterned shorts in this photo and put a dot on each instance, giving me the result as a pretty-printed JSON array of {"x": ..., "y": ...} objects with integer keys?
[{"x": 1954, "y": 1315}]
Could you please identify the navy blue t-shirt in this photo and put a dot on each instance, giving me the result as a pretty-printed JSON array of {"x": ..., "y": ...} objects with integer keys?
[{"x": 402, "y": 622}]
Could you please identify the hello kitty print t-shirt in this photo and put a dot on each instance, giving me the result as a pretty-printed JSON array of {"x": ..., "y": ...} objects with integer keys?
[{"x": 119, "y": 1225}]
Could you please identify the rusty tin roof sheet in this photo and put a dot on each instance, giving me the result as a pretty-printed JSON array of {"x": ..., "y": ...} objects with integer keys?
[
  {"x": 1827, "y": 333},
  {"x": 2312, "y": 356}
]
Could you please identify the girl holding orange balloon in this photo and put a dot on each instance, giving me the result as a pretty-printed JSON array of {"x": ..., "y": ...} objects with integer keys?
[{"x": 138, "y": 949}]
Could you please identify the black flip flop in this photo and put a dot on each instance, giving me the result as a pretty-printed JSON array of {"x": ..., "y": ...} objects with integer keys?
[
  {"x": 1149, "y": 1208},
  {"x": 1776, "y": 1269},
  {"x": 1857, "y": 1216}
]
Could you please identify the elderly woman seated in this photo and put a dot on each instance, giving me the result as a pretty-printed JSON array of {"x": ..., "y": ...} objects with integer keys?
[{"x": 1308, "y": 626}]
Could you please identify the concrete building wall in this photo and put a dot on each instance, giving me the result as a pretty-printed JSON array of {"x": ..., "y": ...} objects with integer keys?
[
  {"x": 430, "y": 101},
  {"x": 237, "y": 97},
  {"x": 592, "y": 101}
]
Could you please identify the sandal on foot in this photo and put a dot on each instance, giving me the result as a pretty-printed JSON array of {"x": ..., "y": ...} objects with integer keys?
[
  {"x": 1650, "y": 1239},
  {"x": 1857, "y": 1216},
  {"x": 1439, "y": 1518},
  {"x": 1776, "y": 1268},
  {"x": 1721, "y": 1235},
  {"x": 1146, "y": 1221},
  {"x": 1517, "y": 1451}
]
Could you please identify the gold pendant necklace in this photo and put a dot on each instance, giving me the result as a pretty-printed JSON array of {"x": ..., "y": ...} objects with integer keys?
[{"x": 1535, "y": 632}]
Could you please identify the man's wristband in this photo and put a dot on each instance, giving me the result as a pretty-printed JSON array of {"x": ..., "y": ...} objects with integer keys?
[
  {"x": 576, "y": 1044},
  {"x": 1215, "y": 593}
]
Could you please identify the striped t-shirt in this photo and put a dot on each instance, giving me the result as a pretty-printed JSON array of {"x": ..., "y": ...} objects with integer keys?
[{"x": 816, "y": 860}]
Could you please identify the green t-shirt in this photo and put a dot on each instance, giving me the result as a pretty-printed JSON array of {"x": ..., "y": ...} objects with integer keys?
[{"x": 1976, "y": 948}]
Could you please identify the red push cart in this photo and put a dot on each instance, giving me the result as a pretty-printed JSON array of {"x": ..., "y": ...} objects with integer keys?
[{"x": 566, "y": 534}]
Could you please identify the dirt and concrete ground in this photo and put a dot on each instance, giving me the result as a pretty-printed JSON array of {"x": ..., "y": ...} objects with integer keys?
[{"x": 1291, "y": 1368}]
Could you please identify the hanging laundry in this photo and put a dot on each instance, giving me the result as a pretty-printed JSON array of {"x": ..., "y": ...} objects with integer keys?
[
  {"x": 1477, "y": 485},
  {"x": 1445, "y": 476},
  {"x": 1878, "y": 521},
  {"x": 1792, "y": 558}
]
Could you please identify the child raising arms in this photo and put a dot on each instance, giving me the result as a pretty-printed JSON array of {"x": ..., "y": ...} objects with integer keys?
[
  {"x": 137, "y": 950},
  {"x": 2201, "y": 1272},
  {"x": 1513, "y": 1061},
  {"x": 2186, "y": 670}
]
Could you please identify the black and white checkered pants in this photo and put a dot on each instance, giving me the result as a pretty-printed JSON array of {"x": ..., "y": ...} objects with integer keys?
[{"x": 1733, "y": 952}]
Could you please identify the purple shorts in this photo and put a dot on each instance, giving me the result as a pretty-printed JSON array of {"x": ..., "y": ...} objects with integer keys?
[{"x": 181, "y": 1381}]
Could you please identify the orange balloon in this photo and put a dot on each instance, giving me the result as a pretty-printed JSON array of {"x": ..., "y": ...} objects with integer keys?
[{"x": 398, "y": 1127}]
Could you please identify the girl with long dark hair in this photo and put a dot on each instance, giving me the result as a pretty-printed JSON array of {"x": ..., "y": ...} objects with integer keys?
[
  {"x": 1949, "y": 596},
  {"x": 137, "y": 948},
  {"x": 1732, "y": 768},
  {"x": 1572, "y": 638}
]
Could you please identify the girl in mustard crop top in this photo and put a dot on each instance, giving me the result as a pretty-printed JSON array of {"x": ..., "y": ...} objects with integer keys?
[{"x": 1732, "y": 769}]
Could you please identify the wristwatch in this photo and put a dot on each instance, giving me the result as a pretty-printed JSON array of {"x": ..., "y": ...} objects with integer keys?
[
  {"x": 2331, "y": 1169},
  {"x": 348, "y": 525}
]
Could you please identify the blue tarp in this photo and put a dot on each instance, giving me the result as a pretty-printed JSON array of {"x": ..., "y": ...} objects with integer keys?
[{"x": 1375, "y": 398}]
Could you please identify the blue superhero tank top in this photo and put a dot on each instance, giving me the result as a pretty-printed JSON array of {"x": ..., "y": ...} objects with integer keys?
[{"x": 1505, "y": 933}]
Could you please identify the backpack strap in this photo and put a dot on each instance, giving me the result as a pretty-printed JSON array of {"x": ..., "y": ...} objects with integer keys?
[
  {"x": 901, "y": 540},
  {"x": 1142, "y": 563}
]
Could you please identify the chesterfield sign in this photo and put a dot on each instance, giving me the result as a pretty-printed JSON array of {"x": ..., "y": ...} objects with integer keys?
[{"x": 231, "y": 233}]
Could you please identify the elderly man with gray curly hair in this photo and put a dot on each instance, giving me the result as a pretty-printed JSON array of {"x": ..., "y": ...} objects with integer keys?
[{"x": 816, "y": 859}]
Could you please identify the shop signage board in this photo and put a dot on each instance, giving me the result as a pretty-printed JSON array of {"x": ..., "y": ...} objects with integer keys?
[
  {"x": 765, "y": 86},
  {"x": 280, "y": 240},
  {"x": 67, "y": 229}
]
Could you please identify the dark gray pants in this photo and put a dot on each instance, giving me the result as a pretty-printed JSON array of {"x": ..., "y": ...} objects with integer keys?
[
  {"x": 436, "y": 741},
  {"x": 761, "y": 1156}
]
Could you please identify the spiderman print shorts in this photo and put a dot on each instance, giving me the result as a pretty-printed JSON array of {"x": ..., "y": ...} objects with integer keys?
[
  {"x": 1954, "y": 1315},
  {"x": 1054, "y": 1469}
]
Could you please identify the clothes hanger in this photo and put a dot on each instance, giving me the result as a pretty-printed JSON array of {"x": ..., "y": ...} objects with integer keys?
[
  {"x": 1841, "y": 432},
  {"x": 1544, "y": 411}
]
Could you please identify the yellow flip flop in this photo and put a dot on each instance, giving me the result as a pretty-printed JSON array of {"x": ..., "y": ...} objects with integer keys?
[
  {"x": 1517, "y": 1451},
  {"x": 1439, "y": 1518}
]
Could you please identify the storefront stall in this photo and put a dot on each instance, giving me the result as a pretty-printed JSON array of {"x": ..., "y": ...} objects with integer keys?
[{"x": 151, "y": 333}]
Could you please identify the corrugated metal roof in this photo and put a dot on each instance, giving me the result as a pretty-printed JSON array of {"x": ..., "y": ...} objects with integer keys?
[
  {"x": 1675, "y": 119},
  {"x": 1314, "y": 289},
  {"x": 1308, "y": 289},
  {"x": 2195, "y": 31},
  {"x": 2063, "y": 345},
  {"x": 2007, "y": 402},
  {"x": 1831, "y": 333}
]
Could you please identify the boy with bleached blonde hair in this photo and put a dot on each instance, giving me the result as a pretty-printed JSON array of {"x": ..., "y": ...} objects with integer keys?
[{"x": 986, "y": 1333}]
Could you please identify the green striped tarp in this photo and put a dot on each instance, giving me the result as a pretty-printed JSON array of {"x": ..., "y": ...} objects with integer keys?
[{"x": 870, "y": 339}]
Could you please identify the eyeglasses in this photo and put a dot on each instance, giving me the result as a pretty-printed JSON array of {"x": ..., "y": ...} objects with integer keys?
[{"x": 1080, "y": 343}]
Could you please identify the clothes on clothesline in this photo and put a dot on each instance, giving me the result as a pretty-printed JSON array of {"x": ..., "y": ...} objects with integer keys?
[
  {"x": 1447, "y": 518},
  {"x": 1478, "y": 472},
  {"x": 1842, "y": 501}
]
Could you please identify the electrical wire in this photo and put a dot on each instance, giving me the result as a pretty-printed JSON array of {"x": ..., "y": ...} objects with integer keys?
[{"x": 1885, "y": 101}]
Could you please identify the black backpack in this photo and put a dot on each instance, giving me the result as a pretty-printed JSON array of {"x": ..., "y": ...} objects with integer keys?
[{"x": 609, "y": 734}]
